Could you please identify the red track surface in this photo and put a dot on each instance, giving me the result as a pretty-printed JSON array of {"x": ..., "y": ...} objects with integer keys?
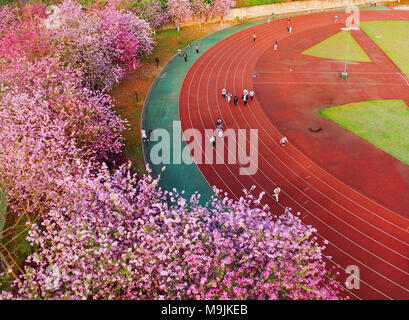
[{"x": 361, "y": 230}]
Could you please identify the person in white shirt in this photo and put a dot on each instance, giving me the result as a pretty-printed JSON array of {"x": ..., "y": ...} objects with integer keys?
[
  {"x": 245, "y": 91},
  {"x": 276, "y": 192},
  {"x": 251, "y": 94},
  {"x": 283, "y": 140},
  {"x": 229, "y": 95},
  {"x": 212, "y": 141},
  {"x": 143, "y": 134},
  {"x": 244, "y": 99}
]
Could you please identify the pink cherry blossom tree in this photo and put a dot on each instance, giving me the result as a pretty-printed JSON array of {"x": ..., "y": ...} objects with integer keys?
[
  {"x": 201, "y": 10},
  {"x": 221, "y": 8},
  {"x": 180, "y": 11},
  {"x": 150, "y": 11}
]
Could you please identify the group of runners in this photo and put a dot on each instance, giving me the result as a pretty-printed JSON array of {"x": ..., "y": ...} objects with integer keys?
[
  {"x": 247, "y": 95},
  {"x": 146, "y": 137},
  {"x": 189, "y": 47}
]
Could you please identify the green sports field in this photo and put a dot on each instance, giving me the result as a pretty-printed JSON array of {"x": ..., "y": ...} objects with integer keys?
[
  {"x": 384, "y": 123},
  {"x": 335, "y": 47},
  {"x": 393, "y": 38}
]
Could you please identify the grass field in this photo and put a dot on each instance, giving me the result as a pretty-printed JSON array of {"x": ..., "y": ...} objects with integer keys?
[
  {"x": 393, "y": 38},
  {"x": 250, "y": 3},
  {"x": 384, "y": 123},
  {"x": 335, "y": 47}
]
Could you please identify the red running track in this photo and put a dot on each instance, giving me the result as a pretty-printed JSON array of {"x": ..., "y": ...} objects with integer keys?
[{"x": 360, "y": 229}]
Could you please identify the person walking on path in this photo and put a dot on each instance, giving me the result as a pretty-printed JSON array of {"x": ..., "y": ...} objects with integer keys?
[
  {"x": 197, "y": 48},
  {"x": 179, "y": 52},
  {"x": 275, "y": 45},
  {"x": 245, "y": 91},
  {"x": 224, "y": 92},
  {"x": 244, "y": 97},
  {"x": 157, "y": 62},
  {"x": 290, "y": 29},
  {"x": 185, "y": 56},
  {"x": 254, "y": 37},
  {"x": 283, "y": 140},
  {"x": 136, "y": 96},
  {"x": 150, "y": 135},
  {"x": 276, "y": 192},
  {"x": 143, "y": 135},
  {"x": 251, "y": 94},
  {"x": 212, "y": 141},
  {"x": 219, "y": 121},
  {"x": 189, "y": 46},
  {"x": 268, "y": 20},
  {"x": 336, "y": 19},
  {"x": 236, "y": 101},
  {"x": 229, "y": 95}
]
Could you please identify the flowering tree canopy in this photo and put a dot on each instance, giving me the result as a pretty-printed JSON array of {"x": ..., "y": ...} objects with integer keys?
[
  {"x": 180, "y": 11},
  {"x": 49, "y": 122},
  {"x": 115, "y": 236},
  {"x": 201, "y": 10},
  {"x": 150, "y": 11},
  {"x": 221, "y": 8}
]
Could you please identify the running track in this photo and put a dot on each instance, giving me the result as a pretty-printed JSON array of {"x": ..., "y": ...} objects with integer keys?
[{"x": 360, "y": 231}]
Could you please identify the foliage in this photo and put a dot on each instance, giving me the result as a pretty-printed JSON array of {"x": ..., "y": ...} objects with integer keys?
[
  {"x": 221, "y": 8},
  {"x": 180, "y": 11},
  {"x": 116, "y": 237},
  {"x": 49, "y": 124},
  {"x": 151, "y": 11}
]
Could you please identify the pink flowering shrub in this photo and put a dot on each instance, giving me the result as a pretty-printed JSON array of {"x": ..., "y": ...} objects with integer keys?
[
  {"x": 48, "y": 123},
  {"x": 115, "y": 236}
]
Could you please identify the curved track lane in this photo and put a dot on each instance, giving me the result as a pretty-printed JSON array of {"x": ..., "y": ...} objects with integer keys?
[{"x": 360, "y": 231}]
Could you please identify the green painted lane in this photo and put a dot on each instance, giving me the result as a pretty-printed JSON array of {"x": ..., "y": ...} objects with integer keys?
[{"x": 161, "y": 109}]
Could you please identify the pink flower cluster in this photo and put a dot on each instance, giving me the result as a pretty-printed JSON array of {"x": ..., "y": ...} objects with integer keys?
[
  {"x": 182, "y": 11},
  {"x": 151, "y": 11},
  {"x": 101, "y": 42},
  {"x": 115, "y": 236},
  {"x": 49, "y": 123}
]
